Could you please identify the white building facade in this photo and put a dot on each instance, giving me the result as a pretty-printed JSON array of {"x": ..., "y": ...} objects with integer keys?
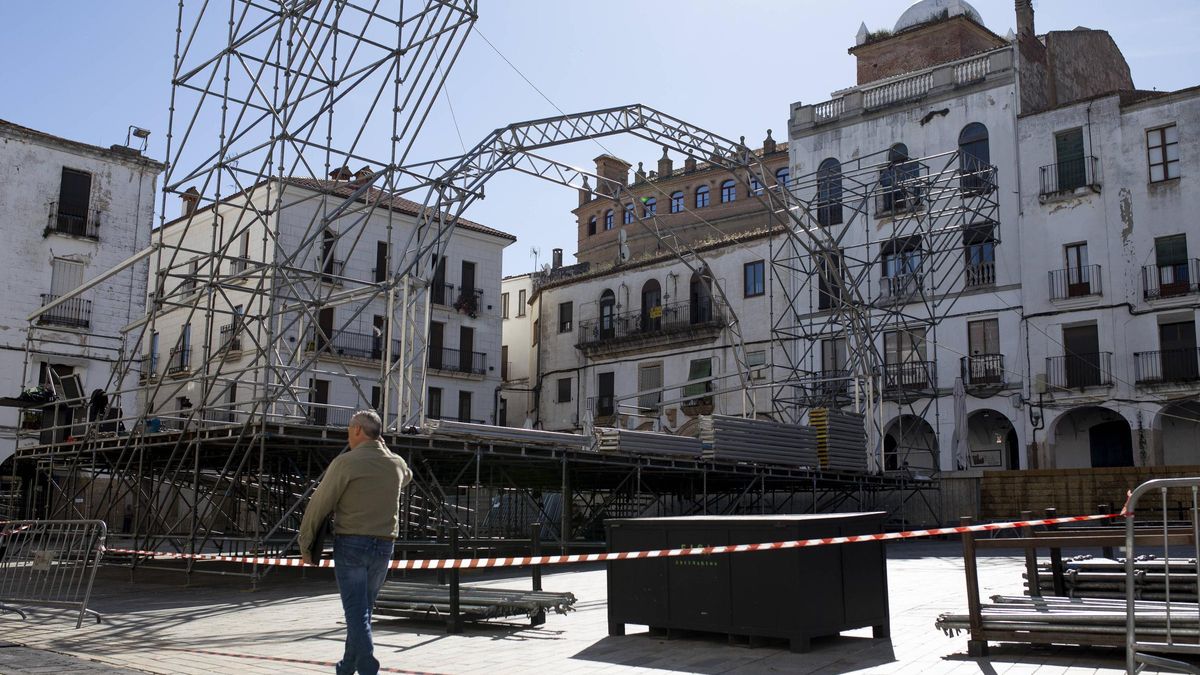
[
  {"x": 245, "y": 339},
  {"x": 517, "y": 352},
  {"x": 70, "y": 211}
]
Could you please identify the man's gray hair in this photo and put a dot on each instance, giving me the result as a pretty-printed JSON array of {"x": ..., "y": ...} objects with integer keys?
[{"x": 368, "y": 422}]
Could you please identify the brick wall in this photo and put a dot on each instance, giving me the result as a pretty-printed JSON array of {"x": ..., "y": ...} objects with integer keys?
[
  {"x": 1005, "y": 494},
  {"x": 922, "y": 47}
]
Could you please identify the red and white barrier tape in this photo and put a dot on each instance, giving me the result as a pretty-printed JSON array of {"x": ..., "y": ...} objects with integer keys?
[{"x": 521, "y": 561}]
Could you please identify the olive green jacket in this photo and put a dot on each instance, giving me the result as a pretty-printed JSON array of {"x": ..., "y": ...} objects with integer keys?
[{"x": 362, "y": 490}]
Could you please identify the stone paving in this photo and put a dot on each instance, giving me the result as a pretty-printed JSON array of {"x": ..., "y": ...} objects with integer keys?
[{"x": 292, "y": 624}]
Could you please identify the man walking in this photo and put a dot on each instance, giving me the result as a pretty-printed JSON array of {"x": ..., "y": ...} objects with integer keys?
[{"x": 362, "y": 489}]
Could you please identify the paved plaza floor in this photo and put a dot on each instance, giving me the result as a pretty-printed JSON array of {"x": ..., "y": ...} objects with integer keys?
[{"x": 292, "y": 623}]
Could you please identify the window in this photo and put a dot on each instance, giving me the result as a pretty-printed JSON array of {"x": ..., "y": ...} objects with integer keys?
[
  {"x": 381, "y": 261},
  {"x": 564, "y": 390},
  {"x": 677, "y": 201},
  {"x": 649, "y": 207},
  {"x": 755, "y": 186},
  {"x": 628, "y": 217},
  {"x": 1177, "y": 342},
  {"x": 698, "y": 369},
  {"x": 829, "y": 279},
  {"x": 329, "y": 262},
  {"x": 1171, "y": 263},
  {"x": 897, "y": 182},
  {"x": 651, "y": 311},
  {"x": 521, "y": 302},
  {"x": 74, "y": 197},
  {"x": 902, "y": 260},
  {"x": 565, "y": 314},
  {"x": 1078, "y": 271},
  {"x": 650, "y": 382},
  {"x": 605, "y": 406},
  {"x": 1162, "y": 153},
  {"x": 756, "y": 362},
  {"x": 1069, "y": 159},
  {"x": 608, "y": 220},
  {"x": 833, "y": 356},
  {"x": 829, "y": 192},
  {"x": 1081, "y": 362},
  {"x": 702, "y": 196},
  {"x": 504, "y": 363},
  {"x": 537, "y": 330},
  {"x": 608, "y": 308},
  {"x": 904, "y": 346},
  {"x": 974, "y": 157},
  {"x": 782, "y": 176},
  {"x": 591, "y": 226},
  {"x": 979, "y": 256},
  {"x": 983, "y": 337},
  {"x": 152, "y": 366},
  {"x": 504, "y": 305},
  {"x": 441, "y": 292},
  {"x": 464, "y": 406},
  {"x": 753, "y": 278},
  {"x": 728, "y": 191}
]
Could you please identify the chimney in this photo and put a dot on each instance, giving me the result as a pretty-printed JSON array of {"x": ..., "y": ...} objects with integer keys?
[
  {"x": 341, "y": 173},
  {"x": 664, "y": 165},
  {"x": 556, "y": 259},
  {"x": 689, "y": 164},
  {"x": 191, "y": 199},
  {"x": 640, "y": 175},
  {"x": 613, "y": 168},
  {"x": 585, "y": 192},
  {"x": 364, "y": 172},
  {"x": 1025, "y": 18}
]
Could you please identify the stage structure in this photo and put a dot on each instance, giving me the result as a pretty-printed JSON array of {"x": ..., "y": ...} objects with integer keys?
[{"x": 254, "y": 141}]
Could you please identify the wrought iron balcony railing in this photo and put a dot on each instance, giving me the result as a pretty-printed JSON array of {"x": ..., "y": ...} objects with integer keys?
[
  {"x": 1169, "y": 281},
  {"x": 469, "y": 300},
  {"x": 457, "y": 361},
  {"x": 1167, "y": 366},
  {"x": 74, "y": 312},
  {"x": 1075, "y": 282},
  {"x": 909, "y": 376},
  {"x": 231, "y": 336},
  {"x": 441, "y": 293},
  {"x": 1069, "y": 175},
  {"x": 651, "y": 321},
  {"x": 77, "y": 224},
  {"x": 179, "y": 361},
  {"x": 367, "y": 346},
  {"x": 983, "y": 369},
  {"x": 1077, "y": 371}
]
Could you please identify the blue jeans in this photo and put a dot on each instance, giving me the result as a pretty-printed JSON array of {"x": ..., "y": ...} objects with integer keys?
[{"x": 360, "y": 565}]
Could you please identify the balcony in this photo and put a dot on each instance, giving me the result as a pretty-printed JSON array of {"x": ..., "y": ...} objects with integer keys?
[
  {"x": 179, "y": 362},
  {"x": 900, "y": 288},
  {"x": 980, "y": 275},
  {"x": 1171, "y": 281},
  {"x": 230, "y": 337},
  {"x": 332, "y": 271},
  {"x": 238, "y": 265},
  {"x": 904, "y": 196},
  {"x": 457, "y": 361},
  {"x": 909, "y": 377},
  {"x": 1075, "y": 282},
  {"x": 73, "y": 312},
  {"x": 441, "y": 293},
  {"x": 1069, "y": 175},
  {"x": 1079, "y": 371},
  {"x": 826, "y": 386},
  {"x": 85, "y": 224},
  {"x": 469, "y": 301},
  {"x": 701, "y": 317},
  {"x": 368, "y": 347},
  {"x": 982, "y": 370},
  {"x": 1172, "y": 366},
  {"x": 149, "y": 368}
]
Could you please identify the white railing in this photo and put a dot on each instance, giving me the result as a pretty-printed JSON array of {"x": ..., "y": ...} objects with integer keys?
[
  {"x": 972, "y": 70},
  {"x": 829, "y": 109},
  {"x": 901, "y": 90}
]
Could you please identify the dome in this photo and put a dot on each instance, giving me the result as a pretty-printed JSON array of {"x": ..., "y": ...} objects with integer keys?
[{"x": 931, "y": 10}]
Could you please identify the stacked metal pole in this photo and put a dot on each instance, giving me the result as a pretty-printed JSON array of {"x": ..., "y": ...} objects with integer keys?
[
  {"x": 647, "y": 443},
  {"x": 841, "y": 439},
  {"x": 1078, "y": 620},
  {"x": 757, "y": 441}
]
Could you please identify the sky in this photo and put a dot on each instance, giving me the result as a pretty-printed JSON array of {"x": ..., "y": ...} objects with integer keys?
[{"x": 88, "y": 70}]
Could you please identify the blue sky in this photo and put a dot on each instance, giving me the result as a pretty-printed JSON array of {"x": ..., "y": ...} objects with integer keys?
[{"x": 87, "y": 70}]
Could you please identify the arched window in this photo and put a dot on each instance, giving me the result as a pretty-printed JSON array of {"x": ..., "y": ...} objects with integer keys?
[
  {"x": 608, "y": 219},
  {"x": 651, "y": 306},
  {"x": 628, "y": 219},
  {"x": 755, "y": 186},
  {"x": 608, "y": 309},
  {"x": 702, "y": 196},
  {"x": 649, "y": 207},
  {"x": 782, "y": 176},
  {"x": 829, "y": 192},
  {"x": 592, "y": 226},
  {"x": 677, "y": 201},
  {"x": 728, "y": 191},
  {"x": 974, "y": 157},
  {"x": 897, "y": 182}
]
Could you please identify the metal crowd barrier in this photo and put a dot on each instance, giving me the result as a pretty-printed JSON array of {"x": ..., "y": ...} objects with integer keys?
[
  {"x": 1172, "y": 627},
  {"x": 50, "y": 563}
]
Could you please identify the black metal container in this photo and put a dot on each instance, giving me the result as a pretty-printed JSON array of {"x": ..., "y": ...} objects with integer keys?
[{"x": 795, "y": 594}]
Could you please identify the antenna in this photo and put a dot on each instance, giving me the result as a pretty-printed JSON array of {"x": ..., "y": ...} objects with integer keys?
[{"x": 535, "y": 252}]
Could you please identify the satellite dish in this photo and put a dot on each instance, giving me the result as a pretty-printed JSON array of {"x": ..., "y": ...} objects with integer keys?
[{"x": 622, "y": 246}]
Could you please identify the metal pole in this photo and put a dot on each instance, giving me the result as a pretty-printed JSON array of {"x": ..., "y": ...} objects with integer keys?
[{"x": 454, "y": 623}]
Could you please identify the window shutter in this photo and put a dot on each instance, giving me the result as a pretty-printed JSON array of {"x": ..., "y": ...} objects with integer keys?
[{"x": 1171, "y": 250}]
